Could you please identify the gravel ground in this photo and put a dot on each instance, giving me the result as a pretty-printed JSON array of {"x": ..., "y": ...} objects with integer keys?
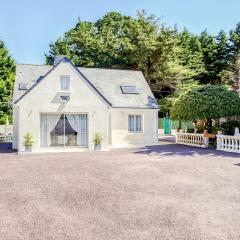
[{"x": 160, "y": 192}]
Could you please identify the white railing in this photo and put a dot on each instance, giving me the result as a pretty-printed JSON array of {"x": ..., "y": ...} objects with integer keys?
[
  {"x": 228, "y": 143},
  {"x": 192, "y": 139}
]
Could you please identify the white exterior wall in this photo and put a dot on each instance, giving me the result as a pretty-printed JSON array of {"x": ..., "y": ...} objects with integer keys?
[
  {"x": 45, "y": 98},
  {"x": 15, "y": 127},
  {"x": 120, "y": 137}
]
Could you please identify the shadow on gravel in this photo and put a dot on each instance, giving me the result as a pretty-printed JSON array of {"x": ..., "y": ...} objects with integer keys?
[
  {"x": 181, "y": 150},
  {"x": 6, "y": 148}
]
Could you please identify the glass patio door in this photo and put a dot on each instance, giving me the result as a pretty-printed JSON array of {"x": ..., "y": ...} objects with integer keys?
[{"x": 63, "y": 130}]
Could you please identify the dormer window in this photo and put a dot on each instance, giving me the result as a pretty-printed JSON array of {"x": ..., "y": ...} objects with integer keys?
[
  {"x": 23, "y": 86},
  {"x": 65, "y": 83}
]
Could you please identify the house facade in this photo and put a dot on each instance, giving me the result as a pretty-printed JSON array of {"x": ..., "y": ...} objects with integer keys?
[{"x": 63, "y": 106}]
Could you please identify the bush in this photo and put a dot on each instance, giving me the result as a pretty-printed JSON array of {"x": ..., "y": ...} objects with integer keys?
[
  {"x": 28, "y": 139},
  {"x": 3, "y": 119},
  {"x": 97, "y": 138},
  {"x": 216, "y": 129},
  {"x": 200, "y": 128},
  {"x": 229, "y": 127},
  {"x": 190, "y": 130}
]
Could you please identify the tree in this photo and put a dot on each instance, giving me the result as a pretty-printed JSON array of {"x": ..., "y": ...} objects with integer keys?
[
  {"x": 222, "y": 60},
  {"x": 231, "y": 75},
  {"x": 60, "y": 47},
  {"x": 206, "y": 102},
  {"x": 166, "y": 103},
  {"x": 209, "y": 52},
  {"x": 190, "y": 55},
  {"x": 7, "y": 75},
  {"x": 167, "y": 57},
  {"x": 118, "y": 41}
]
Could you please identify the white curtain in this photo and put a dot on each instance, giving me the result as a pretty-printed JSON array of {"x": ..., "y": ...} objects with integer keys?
[
  {"x": 78, "y": 123},
  {"x": 47, "y": 123}
]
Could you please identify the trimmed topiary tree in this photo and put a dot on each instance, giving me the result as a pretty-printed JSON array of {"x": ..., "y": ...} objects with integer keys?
[{"x": 206, "y": 102}]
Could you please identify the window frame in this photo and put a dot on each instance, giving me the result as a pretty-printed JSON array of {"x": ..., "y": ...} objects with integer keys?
[
  {"x": 135, "y": 131},
  {"x": 62, "y": 78}
]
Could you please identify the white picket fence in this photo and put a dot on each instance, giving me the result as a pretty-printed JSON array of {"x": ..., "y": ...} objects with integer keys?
[
  {"x": 228, "y": 143},
  {"x": 192, "y": 139}
]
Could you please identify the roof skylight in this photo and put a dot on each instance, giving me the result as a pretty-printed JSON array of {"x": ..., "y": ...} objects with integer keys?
[
  {"x": 129, "y": 90},
  {"x": 23, "y": 86}
]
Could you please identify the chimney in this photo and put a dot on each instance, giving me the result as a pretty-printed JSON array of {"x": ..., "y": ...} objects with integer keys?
[{"x": 57, "y": 59}]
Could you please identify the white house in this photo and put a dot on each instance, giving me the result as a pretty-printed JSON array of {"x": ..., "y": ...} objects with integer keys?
[{"x": 63, "y": 106}]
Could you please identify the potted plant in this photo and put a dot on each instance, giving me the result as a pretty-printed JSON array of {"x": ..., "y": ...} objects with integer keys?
[
  {"x": 97, "y": 139},
  {"x": 28, "y": 142}
]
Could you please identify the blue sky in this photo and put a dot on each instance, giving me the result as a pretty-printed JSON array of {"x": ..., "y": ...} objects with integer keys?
[{"x": 28, "y": 26}]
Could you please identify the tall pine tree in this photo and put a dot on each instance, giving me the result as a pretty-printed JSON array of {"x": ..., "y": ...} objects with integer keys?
[{"x": 7, "y": 75}]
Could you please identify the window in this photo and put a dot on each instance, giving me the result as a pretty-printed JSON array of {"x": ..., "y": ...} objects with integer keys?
[
  {"x": 23, "y": 86},
  {"x": 129, "y": 90},
  {"x": 135, "y": 123},
  {"x": 65, "y": 83}
]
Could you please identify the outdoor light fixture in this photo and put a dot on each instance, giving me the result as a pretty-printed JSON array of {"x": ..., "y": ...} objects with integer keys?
[{"x": 64, "y": 99}]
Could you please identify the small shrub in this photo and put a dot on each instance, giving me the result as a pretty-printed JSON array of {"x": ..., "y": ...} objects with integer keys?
[
  {"x": 200, "y": 127},
  {"x": 215, "y": 129},
  {"x": 229, "y": 127},
  {"x": 190, "y": 130},
  {"x": 3, "y": 120},
  {"x": 28, "y": 139},
  {"x": 97, "y": 138}
]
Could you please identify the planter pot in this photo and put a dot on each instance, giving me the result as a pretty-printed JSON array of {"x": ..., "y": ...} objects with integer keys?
[
  {"x": 97, "y": 147},
  {"x": 28, "y": 148}
]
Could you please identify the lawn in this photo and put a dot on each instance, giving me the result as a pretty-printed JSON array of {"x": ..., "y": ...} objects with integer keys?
[{"x": 162, "y": 192}]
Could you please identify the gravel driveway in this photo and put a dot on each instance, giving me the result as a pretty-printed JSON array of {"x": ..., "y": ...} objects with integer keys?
[{"x": 159, "y": 192}]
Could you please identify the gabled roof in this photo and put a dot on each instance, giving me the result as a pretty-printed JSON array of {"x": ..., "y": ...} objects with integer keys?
[{"x": 106, "y": 82}]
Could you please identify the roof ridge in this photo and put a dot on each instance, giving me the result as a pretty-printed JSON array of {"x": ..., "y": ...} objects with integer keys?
[
  {"x": 107, "y": 69},
  {"x": 79, "y": 67}
]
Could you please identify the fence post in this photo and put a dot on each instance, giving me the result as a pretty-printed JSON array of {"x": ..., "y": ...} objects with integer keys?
[
  {"x": 236, "y": 132},
  {"x": 219, "y": 142},
  {"x": 206, "y": 141}
]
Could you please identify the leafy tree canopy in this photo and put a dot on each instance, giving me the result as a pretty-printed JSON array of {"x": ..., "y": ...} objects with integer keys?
[
  {"x": 141, "y": 43},
  {"x": 7, "y": 75},
  {"x": 206, "y": 102}
]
